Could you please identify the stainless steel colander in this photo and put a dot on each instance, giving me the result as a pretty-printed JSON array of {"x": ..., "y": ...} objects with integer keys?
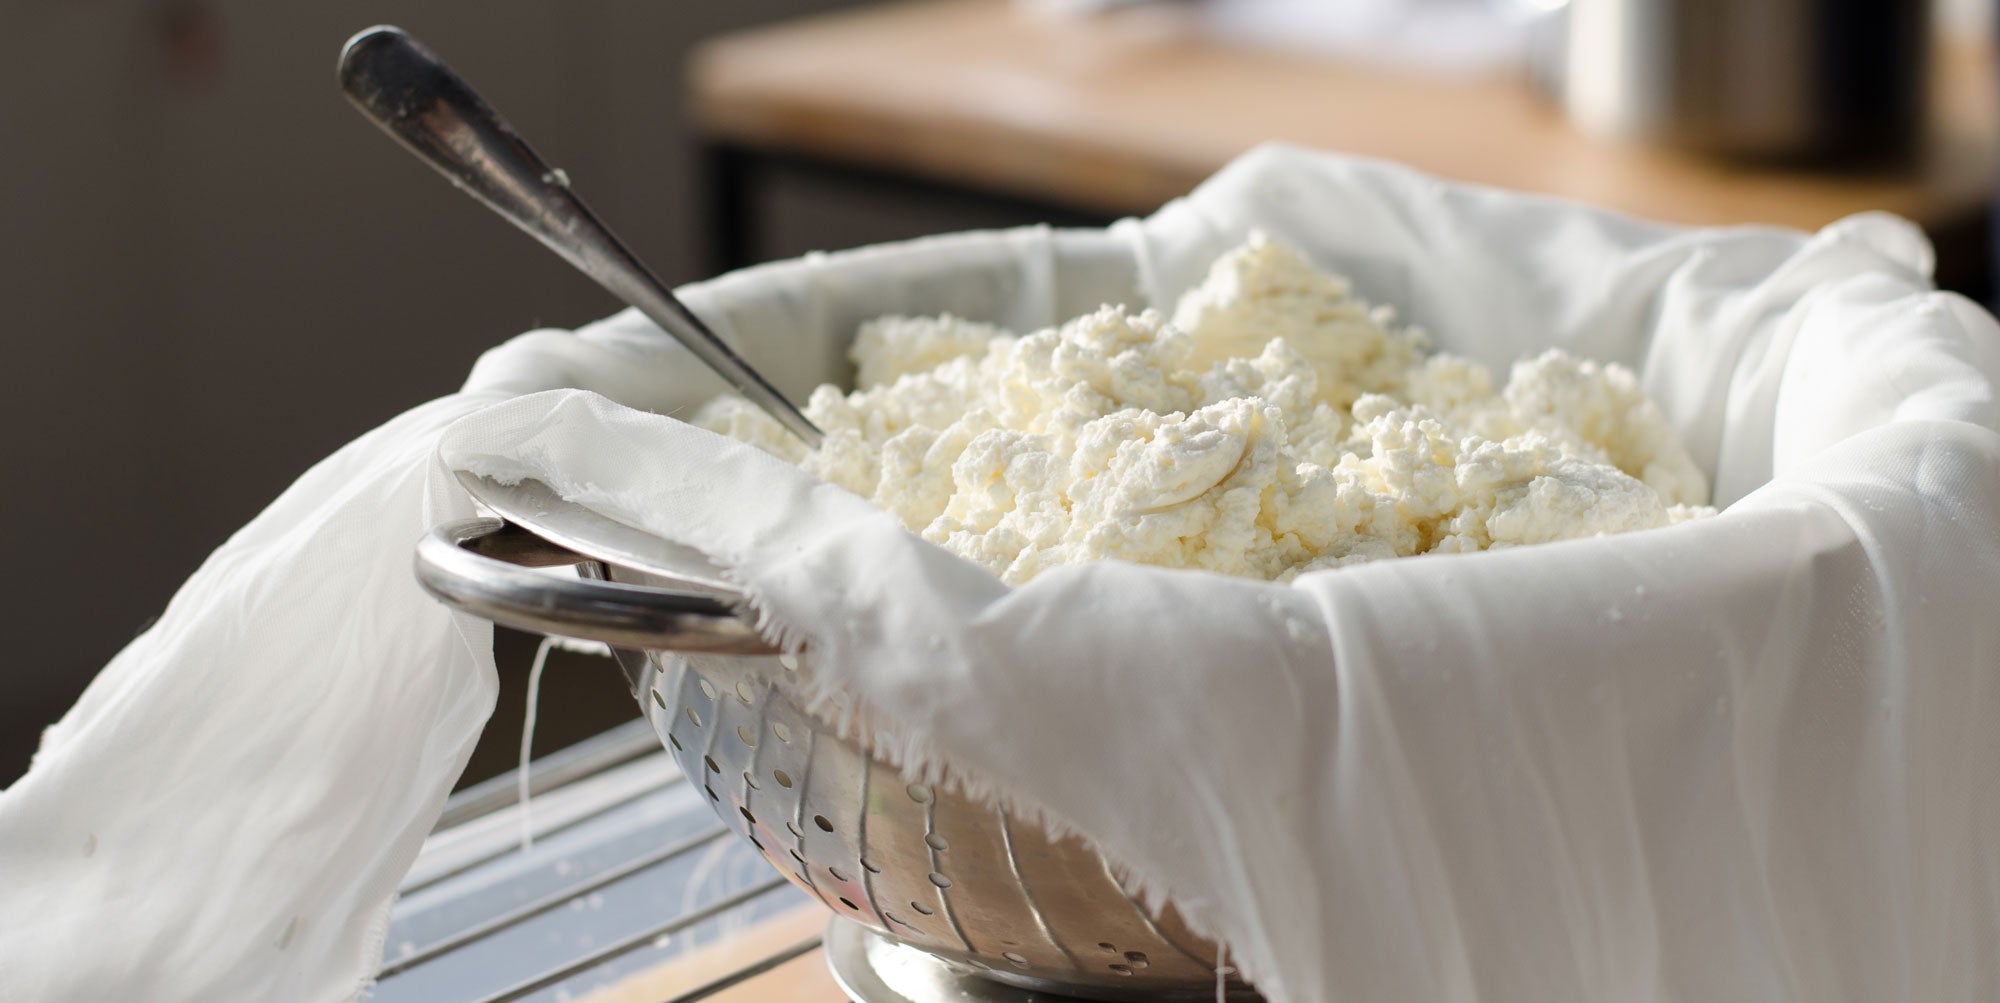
[{"x": 922, "y": 866}]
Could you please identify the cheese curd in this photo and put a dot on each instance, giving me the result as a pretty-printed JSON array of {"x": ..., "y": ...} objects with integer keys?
[{"x": 1276, "y": 425}]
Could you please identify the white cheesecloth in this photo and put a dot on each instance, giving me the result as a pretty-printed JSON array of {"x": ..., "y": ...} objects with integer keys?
[
  {"x": 1753, "y": 757},
  {"x": 226, "y": 812}
]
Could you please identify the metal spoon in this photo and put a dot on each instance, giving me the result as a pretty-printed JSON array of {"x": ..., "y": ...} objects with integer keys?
[{"x": 409, "y": 92}]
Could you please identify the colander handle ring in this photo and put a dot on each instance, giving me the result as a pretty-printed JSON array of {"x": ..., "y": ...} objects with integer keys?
[{"x": 483, "y": 567}]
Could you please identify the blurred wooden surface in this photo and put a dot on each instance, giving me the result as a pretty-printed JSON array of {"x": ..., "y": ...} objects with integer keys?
[
  {"x": 801, "y": 979},
  {"x": 1120, "y": 112}
]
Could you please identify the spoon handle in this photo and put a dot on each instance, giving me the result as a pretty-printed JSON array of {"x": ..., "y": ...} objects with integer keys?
[{"x": 409, "y": 92}]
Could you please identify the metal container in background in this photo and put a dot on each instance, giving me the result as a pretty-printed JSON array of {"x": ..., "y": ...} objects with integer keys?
[{"x": 1786, "y": 80}]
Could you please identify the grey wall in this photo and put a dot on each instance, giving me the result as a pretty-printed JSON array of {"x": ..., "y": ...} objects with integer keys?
[{"x": 213, "y": 272}]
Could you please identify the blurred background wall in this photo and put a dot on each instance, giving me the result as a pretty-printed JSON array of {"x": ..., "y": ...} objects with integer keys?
[{"x": 213, "y": 272}]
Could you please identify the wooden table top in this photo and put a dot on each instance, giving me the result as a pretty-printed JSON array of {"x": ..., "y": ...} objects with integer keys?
[
  {"x": 802, "y": 979},
  {"x": 1118, "y": 113}
]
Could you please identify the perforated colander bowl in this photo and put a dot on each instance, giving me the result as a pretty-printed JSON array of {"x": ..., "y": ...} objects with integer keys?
[{"x": 921, "y": 865}]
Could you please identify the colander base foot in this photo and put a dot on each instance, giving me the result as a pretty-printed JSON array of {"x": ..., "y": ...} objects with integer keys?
[{"x": 871, "y": 968}]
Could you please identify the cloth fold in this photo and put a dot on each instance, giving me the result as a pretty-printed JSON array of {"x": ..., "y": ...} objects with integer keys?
[{"x": 227, "y": 810}]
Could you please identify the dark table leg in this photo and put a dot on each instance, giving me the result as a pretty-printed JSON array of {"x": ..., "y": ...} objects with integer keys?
[{"x": 728, "y": 209}]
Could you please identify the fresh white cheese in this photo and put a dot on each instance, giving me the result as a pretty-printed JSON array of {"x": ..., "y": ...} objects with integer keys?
[{"x": 1277, "y": 425}]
